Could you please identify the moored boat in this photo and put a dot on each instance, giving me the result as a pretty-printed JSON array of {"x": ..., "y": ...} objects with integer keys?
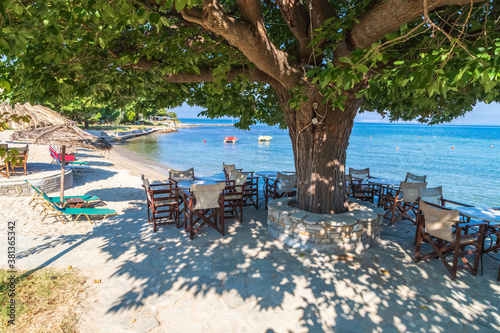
[
  {"x": 230, "y": 139},
  {"x": 265, "y": 138}
]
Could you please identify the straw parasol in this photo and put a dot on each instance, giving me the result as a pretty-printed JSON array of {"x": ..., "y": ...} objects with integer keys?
[{"x": 55, "y": 130}]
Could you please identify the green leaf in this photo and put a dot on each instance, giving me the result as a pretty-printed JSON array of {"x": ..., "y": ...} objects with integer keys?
[
  {"x": 361, "y": 68},
  {"x": 180, "y": 4},
  {"x": 345, "y": 60},
  {"x": 101, "y": 42},
  {"x": 154, "y": 18}
]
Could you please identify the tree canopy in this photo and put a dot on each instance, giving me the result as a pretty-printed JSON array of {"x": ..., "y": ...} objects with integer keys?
[
  {"x": 309, "y": 65},
  {"x": 432, "y": 65}
]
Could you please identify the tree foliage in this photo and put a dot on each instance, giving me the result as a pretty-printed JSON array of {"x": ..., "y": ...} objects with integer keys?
[
  {"x": 432, "y": 69},
  {"x": 309, "y": 65}
]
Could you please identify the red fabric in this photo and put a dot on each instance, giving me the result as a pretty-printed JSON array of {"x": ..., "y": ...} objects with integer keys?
[{"x": 67, "y": 157}]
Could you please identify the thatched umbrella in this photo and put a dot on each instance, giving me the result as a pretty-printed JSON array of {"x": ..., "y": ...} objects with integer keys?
[
  {"x": 40, "y": 116},
  {"x": 56, "y": 130}
]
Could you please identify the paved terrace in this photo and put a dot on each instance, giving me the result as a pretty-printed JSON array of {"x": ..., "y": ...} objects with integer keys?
[{"x": 247, "y": 282}]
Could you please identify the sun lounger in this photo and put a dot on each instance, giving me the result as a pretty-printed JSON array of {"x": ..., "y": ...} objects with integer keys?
[
  {"x": 38, "y": 196},
  {"x": 71, "y": 164},
  {"x": 53, "y": 210}
]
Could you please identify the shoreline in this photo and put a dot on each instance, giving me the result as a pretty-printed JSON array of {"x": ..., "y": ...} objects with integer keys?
[{"x": 136, "y": 164}]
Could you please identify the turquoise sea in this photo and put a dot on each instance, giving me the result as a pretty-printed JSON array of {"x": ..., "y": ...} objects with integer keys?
[{"x": 465, "y": 160}]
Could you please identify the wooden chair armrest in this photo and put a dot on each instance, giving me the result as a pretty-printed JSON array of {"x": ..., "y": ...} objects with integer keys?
[
  {"x": 437, "y": 206},
  {"x": 252, "y": 180},
  {"x": 155, "y": 192},
  {"x": 455, "y": 202},
  {"x": 162, "y": 184},
  {"x": 472, "y": 224}
]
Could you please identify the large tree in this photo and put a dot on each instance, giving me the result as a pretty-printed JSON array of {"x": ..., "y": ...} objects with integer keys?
[{"x": 309, "y": 65}]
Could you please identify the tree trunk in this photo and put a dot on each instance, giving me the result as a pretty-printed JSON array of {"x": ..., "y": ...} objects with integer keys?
[
  {"x": 320, "y": 154},
  {"x": 86, "y": 124}
]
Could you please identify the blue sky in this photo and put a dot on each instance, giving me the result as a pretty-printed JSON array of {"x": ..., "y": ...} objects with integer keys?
[{"x": 483, "y": 114}]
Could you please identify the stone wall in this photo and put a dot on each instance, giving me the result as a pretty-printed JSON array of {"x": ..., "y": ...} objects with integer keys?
[
  {"x": 49, "y": 184},
  {"x": 350, "y": 232}
]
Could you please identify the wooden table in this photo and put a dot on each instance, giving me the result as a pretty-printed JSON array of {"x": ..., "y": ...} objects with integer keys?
[
  {"x": 489, "y": 215},
  {"x": 383, "y": 183},
  {"x": 186, "y": 185},
  {"x": 74, "y": 202}
]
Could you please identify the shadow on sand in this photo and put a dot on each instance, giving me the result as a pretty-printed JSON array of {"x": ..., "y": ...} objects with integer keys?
[{"x": 382, "y": 290}]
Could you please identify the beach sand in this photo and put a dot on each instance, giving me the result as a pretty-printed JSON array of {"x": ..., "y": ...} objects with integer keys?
[{"x": 242, "y": 282}]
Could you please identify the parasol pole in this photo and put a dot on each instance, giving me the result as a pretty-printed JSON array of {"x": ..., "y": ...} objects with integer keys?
[{"x": 63, "y": 162}]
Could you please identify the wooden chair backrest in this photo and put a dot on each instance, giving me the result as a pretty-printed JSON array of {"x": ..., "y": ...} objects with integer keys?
[
  {"x": 431, "y": 194},
  {"x": 439, "y": 222},
  {"x": 179, "y": 175},
  {"x": 286, "y": 183},
  {"x": 145, "y": 183},
  {"x": 228, "y": 167},
  {"x": 360, "y": 173},
  {"x": 239, "y": 177},
  {"x": 414, "y": 178},
  {"x": 411, "y": 191},
  {"x": 207, "y": 196}
]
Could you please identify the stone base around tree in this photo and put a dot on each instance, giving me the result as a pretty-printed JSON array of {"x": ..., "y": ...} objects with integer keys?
[
  {"x": 350, "y": 232},
  {"x": 47, "y": 176}
]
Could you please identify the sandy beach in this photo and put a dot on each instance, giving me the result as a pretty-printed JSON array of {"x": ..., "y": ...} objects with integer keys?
[{"x": 242, "y": 282}]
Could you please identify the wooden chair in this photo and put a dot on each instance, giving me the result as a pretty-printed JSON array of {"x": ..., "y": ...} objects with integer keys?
[
  {"x": 442, "y": 230},
  {"x": 162, "y": 203},
  {"x": 363, "y": 174},
  {"x": 20, "y": 159},
  {"x": 165, "y": 205},
  {"x": 234, "y": 195},
  {"x": 399, "y": 203},
  {"x": 179, "y": 176},
  {"x": 359, "y": 190},
  {"x": 251, "y": 197},
  {"x": 227, "y": 168},
  {"x": 283, "y": 186},
  {"x": 433, "y": 195},
  {"x": 205, "y": 206},
  {"x": 414, "y": 178},
  {"x": 4, "y": 165}
]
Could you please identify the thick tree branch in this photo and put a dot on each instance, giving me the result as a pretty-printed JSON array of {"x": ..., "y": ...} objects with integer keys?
[
  {"x": 298, "y": 22},
  {"x": 386, "y": 17},
  {"x": 251, "y": 40},
  {"x": 251, "y": 12},
  {"x": 206, "y": 74},
  {"x": 320, "y": 12}
]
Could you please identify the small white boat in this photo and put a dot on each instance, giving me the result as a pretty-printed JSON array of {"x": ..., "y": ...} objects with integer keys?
[
  {"x": 230, "y": 139},
  {"x": 265, "y": 138}
]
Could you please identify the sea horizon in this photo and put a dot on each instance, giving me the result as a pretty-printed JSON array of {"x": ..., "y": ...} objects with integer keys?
[
  {"x": 461, "y": 158},
  {"x": 225, "y": 121}
]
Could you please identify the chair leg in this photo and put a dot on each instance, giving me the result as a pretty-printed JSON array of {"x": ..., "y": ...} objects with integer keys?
[
  {"x": 221, "y": 216},
  {"x": 149, "y": 216},
  {"x": 456, "y": 254},
  {"x": 241, "y": 212},
  {"x": 479, "y": 248}
]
